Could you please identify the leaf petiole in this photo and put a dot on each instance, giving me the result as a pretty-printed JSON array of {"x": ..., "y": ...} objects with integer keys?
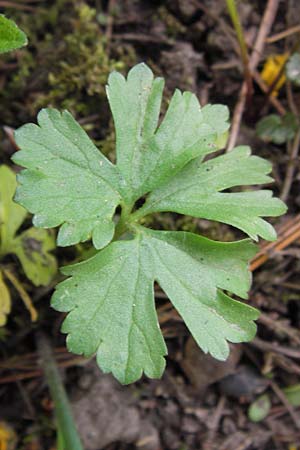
[
  {"x": 139, "y": 214},
  {"x": 122, "y": 225},
  {"x": 128, "y": 219}
]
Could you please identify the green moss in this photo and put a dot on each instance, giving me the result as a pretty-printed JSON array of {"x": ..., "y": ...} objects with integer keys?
[
  {"x": 173, "y": 26},
  {"x": 66, "y": 64},
  {"x": 84, "y": 70}
]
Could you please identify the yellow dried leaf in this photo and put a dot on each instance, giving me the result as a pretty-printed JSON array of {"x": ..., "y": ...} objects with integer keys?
[
  {"x": 8, "y": 438},
  {"x": 5, "y": 303},
  {"x": 271, "y": 69}
]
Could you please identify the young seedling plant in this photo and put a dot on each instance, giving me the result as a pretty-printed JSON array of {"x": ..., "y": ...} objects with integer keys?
[{"x": 109, "y": 298}]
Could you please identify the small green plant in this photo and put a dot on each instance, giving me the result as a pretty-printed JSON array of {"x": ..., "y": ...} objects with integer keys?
[
  {"x": 277, "y": 129},
  {"x": 260, "y": 408},
  {"x": 32, "y": 247},
  {"x": 11, "y": 37},
  {"x": 293, "y": 69},
  {"x": 110, "y": 297},
  {"x": 282, "y": 129}
]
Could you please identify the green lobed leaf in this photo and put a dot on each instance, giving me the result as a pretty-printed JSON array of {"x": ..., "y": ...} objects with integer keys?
[
  {"x": 110, "y": 297},
  {"x": 293, "y": 69},
  {"x": 277, "y": 129},
  {"x": 11, "y": 37},
  {"x": 148, "y": 154},
  {"x": 196, "y": 191},
  {"x": 292, "y": 393},
  {"x": 70, "y": 183},
  {"x": 68, "y": 180},
  {"x": 33, "y": 248},
  {"x": 111, "y": 301}
]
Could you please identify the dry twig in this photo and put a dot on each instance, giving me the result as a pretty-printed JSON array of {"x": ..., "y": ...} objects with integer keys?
[
  {"x": 264, "y": 30},
  {"x": 275, "y": 102},
  {"x": 110, "y": 23},
  {"x": 286, "y": 403},
  {"x": 287, "y": 184},
  {"x": 283, "y": 34},
  {"x": 287, "y": 234},
  {"x": 280, "y": 328},
  {"x": 9, "y": 4},
  {"x": 214, "y": 424},
  {"x": 275, "y": 348}
]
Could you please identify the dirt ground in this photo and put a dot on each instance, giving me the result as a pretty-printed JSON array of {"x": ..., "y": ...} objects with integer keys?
[{"x": 200, "y": 403}]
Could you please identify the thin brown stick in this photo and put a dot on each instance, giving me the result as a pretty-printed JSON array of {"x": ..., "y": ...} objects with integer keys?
[
  {"x": 264, "y": 30},
  {"x": 275, "y": 348},
  {"x": 28, "y": 361},
  {"x": 30, "y": 1},
  {"x": 283, "y": 34},
  {"x": 279, "y": 327},
  {"x": 289, "y": 176},
  {"x": 8, "y": 4},
  {"x": 20, "y": 376},
  {"x": 237, "y": 117},
  {"x": 280, "y": 394},
  {"x": 37, "y": 373},
  {"x": 290, "y": 97},
  {"x": 288, "y": 285},
  {"x": 8, "y": 66},
  {"x": 214, "y": 423},
  {"x": 288, "y": 234},
  {"x": 264, "y": 87},
  {"x": 110, "y": 24},
  {"x": 10, "y": 135}
]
